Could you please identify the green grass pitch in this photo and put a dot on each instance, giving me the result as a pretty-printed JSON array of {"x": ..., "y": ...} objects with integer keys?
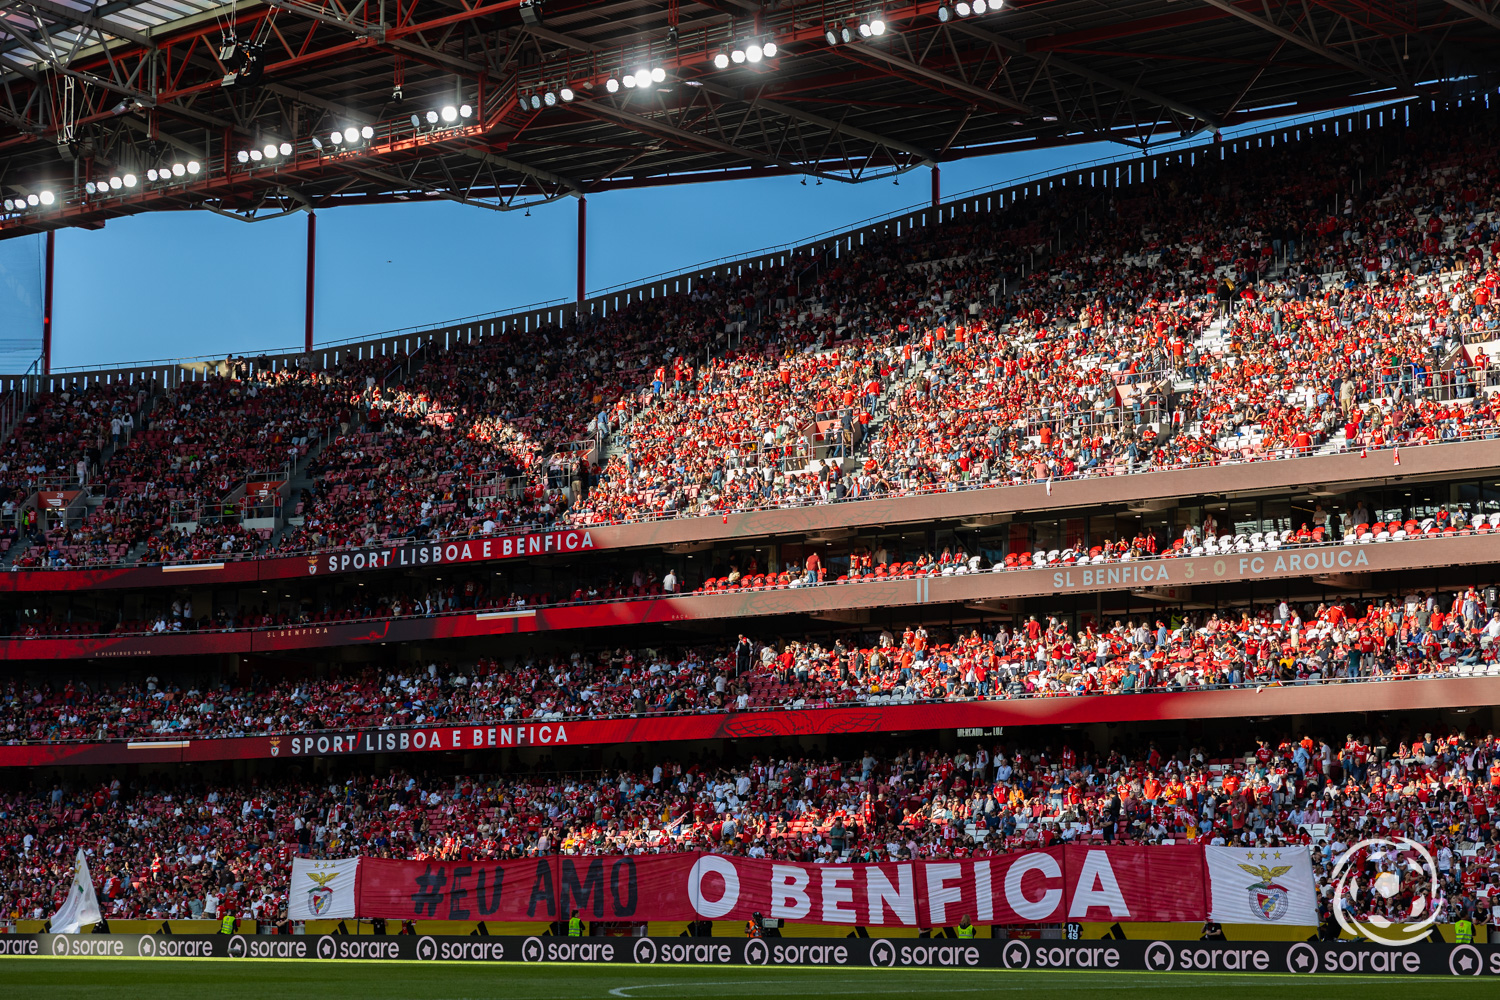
[{"x": 148, "y": 979}]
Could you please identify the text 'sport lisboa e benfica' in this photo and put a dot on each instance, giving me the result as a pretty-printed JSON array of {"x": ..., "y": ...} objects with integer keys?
[{"x": 441, "y": 554}]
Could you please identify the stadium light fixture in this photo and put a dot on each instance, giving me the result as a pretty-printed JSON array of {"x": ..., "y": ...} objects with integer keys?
[
  {"x": 193, "y": 166},
  {"x": 845, "y": 35},
  {"x": 658, "y": 75},
  {"x": 612, "y": 85},
  {"x": 318, "y": 143},
  {"x": 770, "y": 49},
  {"x": 88, "y": 186},
  {"x": 550, "y": 99},
  {"x": 864, "y": 29},
  {"x": 877, "y": 25},
  {"x": 286, "y": 149},
  {"x": 243, "y": 156},
  {"x": 368, "y": 132},
  {"x": 150, "y": 176},
  {"x": 270, "y": 151},
  {"x": 351, "y": 135},
  {"x": 754, "y": 52},
  {"x": 336, "y": 138},
  {"x": 566, "y": 94},
  {"x": 962, "y": 9},
  {"x": 831, "y": 36},
  {"x": 721, "y": 60},
  {"x": 738, "y": 56},
  {"x": 450, "y": 114},
  {"x": 432, "y": 117},
  {"x": 33, "y": 200},
  {"x": 131, "y": 180},
  {"x": 630, "y": 80},
  {"x": 116, "y": 182},
  {"x": 9, "y": 205},
  {"x": 46, "y": 197},
  {"x": 944, "y": 13},
  {"x": 179, "y": 170},
  {"x": 256, "y": 156}
]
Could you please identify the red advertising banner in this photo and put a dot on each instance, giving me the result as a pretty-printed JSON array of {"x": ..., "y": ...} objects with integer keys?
[
  {"x": 968, "y": 719},
  {"x": 427, "y": 554},
  {"x": 1046, "y": 886}
]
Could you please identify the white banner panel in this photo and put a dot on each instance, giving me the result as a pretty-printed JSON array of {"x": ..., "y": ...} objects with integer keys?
[
  {"x": 322, "y": 890},
  {"x": 1261, "y": 885}
]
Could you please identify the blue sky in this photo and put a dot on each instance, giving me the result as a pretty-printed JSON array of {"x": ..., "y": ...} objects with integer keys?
[{"x": 179, "y": 284}]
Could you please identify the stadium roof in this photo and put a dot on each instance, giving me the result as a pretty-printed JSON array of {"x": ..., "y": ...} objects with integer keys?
[{"x": 109, "y": 94}]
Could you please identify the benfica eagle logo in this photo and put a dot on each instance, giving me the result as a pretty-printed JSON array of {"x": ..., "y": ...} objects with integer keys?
[
  {"x": 312, "y": 565},
  {"x": 320, "y": 897},
  {"x": 1266, "y": 897}
]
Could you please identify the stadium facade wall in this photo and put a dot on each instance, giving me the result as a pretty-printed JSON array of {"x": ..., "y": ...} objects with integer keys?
[
  {"x": 1345, "y": 471},
  {"x": 963, "y": 718},
  {"x": 1168, "y": 579}
]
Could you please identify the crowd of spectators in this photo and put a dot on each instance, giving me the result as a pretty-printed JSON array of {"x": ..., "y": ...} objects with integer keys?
[
  {"x": 1414, "y": 635},
  {"x": 164, "y": 465},
  {"x": 192, "y": 848},
  {"x": 1329, "y": 295}
]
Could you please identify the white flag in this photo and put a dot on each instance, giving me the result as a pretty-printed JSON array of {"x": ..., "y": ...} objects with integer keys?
[
  {"x": 81, "y": 908},
  {"x": 322, "y": 890},
  {"x": 1261, "y": 885}
]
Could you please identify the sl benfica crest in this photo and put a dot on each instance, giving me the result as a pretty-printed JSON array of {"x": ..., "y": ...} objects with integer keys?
[
  {"x": 320, "y": 897},
  {"x": 1267, "y": 898}
]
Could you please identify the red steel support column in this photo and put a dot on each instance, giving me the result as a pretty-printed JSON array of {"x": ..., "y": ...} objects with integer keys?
[
  {"x": 47, "y": 305},
  {"x": 583, "y": 240},
  {"x": 937, "y": 185},
  {"x": 312, "y": 261}
]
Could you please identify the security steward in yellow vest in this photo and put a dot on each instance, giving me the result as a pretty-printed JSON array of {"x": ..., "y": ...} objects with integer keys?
[
  {"x": 965, "y": 929},
  {"x": 226, "y": 926},
  {"x": 575, "y": 925},
  {"x": 1463, "y": 931}
]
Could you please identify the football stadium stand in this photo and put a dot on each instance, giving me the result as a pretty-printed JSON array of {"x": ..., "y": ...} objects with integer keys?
[{"x": 1155, "y": 502}]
